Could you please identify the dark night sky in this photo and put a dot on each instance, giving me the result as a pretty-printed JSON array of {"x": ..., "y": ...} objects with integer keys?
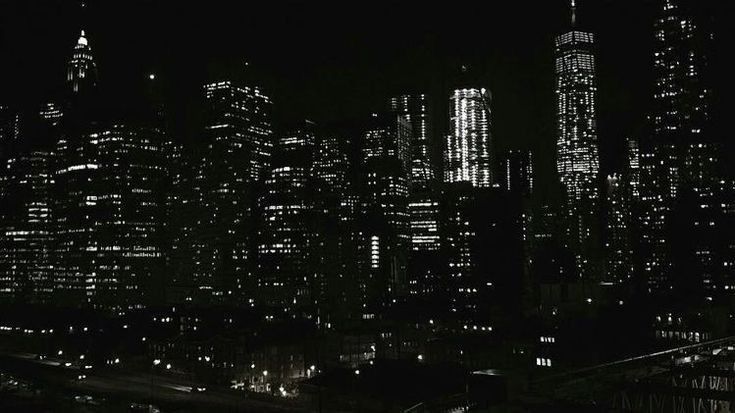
[{"x": 330, "y": 61}]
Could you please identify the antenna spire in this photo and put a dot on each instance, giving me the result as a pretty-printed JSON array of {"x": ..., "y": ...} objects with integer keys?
[{"x": 574, "y": 13}]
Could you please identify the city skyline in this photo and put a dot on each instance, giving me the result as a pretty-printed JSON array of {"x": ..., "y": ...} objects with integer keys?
[
  {"x": 516, "y": 70},
  {"x": 402, "y": 218}
]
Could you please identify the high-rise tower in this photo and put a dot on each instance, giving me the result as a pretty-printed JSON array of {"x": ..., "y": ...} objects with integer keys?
[
  {"x": 81, "y": 72},
  {"x": 468, "y": 149},
  {"x": 682, "y": 178},
  {"x": 577, "y": 160}
]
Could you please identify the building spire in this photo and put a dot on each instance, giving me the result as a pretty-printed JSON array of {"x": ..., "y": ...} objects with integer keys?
[{"x": 574, "y": 13}]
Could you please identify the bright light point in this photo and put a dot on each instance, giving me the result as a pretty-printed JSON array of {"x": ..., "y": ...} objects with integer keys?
[
  {"x": 265, "y": 372},
  {"x": 312, "y": 368},
  {"x": 152, "y": 76},
  {"x": 420, "y": 357},
  {"x": 156, "y": 362},
  {"x": 357, "y": 372},
  {"x": 168, "y": 366}
]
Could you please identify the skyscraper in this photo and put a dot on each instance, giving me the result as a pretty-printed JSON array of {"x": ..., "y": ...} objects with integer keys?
[
  {"x": 577, "y": 160},
  {"x": 385, "y": 178},
  {"x": 681, "y": 173},
  {"x": 682, "y": 95},
  {"x": 108, "y": 217},
  {"x": 516, "y": 172},
  {"x": 416, "y": 110},
  {"x": 230, "y": 166},
  {"x": 333, "y": 234},
  {"x": 423, "y": 206},
  {"x": 479, "y": 226},
  {"x": 468, "y": 151},
  {"x": 286, "y": 281},
  {"x": 26, "y": 226},
  {"x": 618, "y": 251},
  {"x": 81, "y": 74}
]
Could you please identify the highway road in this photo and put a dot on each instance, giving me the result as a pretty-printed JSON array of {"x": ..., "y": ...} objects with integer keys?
[{"x": 126, "y": 387}]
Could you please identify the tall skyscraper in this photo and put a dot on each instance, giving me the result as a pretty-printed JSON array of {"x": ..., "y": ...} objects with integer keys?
[
  {"x": 81, "y": 74},
  {"x": 633, "y": 168},
  {"x": 385, "y": 178},
  {"x": 680, "y": 162},
  {"x": 516, "y": 178},
  {"x": 26, "y": 227},
  {"x": 108, "y": 214},
  {"x": 618, "y": 249},
  {"x": 479, "y": 226},
  {"x": 182, "y": 212},
  {"x": 231, "y": 164},
  {"x": 516, "y": 172},
  {"x": 286, "y": 281},
  {"x": 681, "y": 67},
  {"x": 468, "y": 151},
  {"x": 423, "y": 206},
  {"x": 416, "y": 110},
  {"x": 333, "y": 228},
  {"x": 577, "y": 160}
]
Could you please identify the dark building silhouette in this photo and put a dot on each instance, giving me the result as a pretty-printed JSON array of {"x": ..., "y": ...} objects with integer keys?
[
  {"x": 423, "y": 206},
  {"x": 286, "y": 279},
  {"x": 683, "y": 185},
  {"x": 385, "y": 226},
  {"x": 229, "y": 166},
  {"x": 26, "y": 223}
]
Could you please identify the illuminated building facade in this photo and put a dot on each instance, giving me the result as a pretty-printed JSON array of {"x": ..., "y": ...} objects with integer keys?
[
  {"x": 468, "y": 151},
  {"x": 618, "y": 248},
  {"x": 81, "y": 74},
  {"x": 516, "y": 178},
  {"x": 633, "y": 168},
  {"x": 9, "y": 129},
  {"x": 423, "y": 206},
  {"x": 180, "y": 222},
  {"x": 416, "y": 110},
  {"x": 516, "y": 172},
  {"x": 26, "y": 226},
  {"x": 333, "y": 234},
  {"x": 681, "y": 93},
  {"x": 230, "y": 167},
  {"x": 681, "y": 185},
  {"x": 108, "y": 214},
  {"x": 286, "y": 281},
  {"x": 386, "y": 177},
  {"x": 577, "y": 160}
]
